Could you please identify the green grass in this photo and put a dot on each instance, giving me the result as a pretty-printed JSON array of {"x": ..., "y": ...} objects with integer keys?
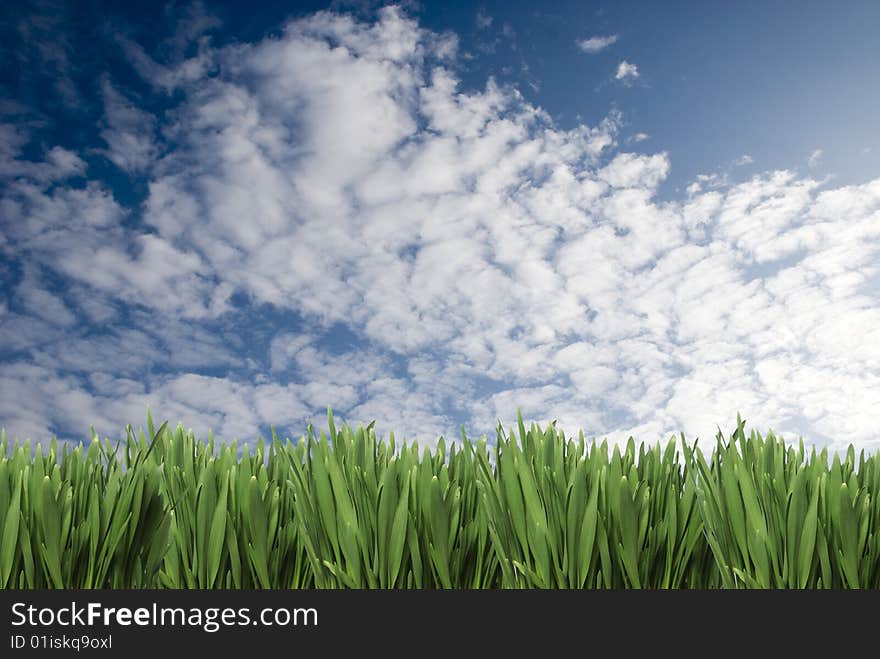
[{"x": 344, "y": 509}]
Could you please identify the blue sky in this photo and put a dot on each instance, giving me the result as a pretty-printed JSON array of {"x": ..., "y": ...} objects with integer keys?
[{"x": 635, "y": 218}]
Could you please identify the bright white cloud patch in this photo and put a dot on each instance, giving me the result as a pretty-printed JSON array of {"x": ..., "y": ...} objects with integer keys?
[
  {"x": 596, "y": 44},
  {"x": 484, "y": 258},
  {"x": 626, "y": 72}
]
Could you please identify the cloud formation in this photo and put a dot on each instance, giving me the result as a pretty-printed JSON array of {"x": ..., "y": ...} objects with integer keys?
[
  {"x": 626, "y": 72},
  {"x": 596, "y": 44},
  {"x": 479, "y": 256},
  {"x": 128, "y": 132}
]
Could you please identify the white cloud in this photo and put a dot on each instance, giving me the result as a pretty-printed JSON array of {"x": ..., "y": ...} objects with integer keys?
[
  {"x": 629, "y": 170},
  {"x": 483, "y": 256},
  {"x": 597, "y": 43},
  {"x": 483, "y": 20},
  {"x": 128, "y": 132},
  {"x": 172, "y": 75},
  {"x": 815, "y": 159},
  {"x": 77, "y": 233},
  {"x": 626, "y": 72},
  {"x": 230, "y": 409},
  {"x": 58, "y": 163},
  {"x": 42, "y": 303}
]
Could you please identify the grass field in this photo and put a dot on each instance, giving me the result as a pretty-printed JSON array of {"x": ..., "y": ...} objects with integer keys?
[{"x": 344, "y": 509}]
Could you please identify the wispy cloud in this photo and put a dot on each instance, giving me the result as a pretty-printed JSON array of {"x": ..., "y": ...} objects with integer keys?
[
  {"x": 596, "y": 44},
  {"x": 483, "y": 20},
  {"x": 128, "y": 131},
  {"x": 815, "y": 159},
  {"x": 57, "y": 163}
]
